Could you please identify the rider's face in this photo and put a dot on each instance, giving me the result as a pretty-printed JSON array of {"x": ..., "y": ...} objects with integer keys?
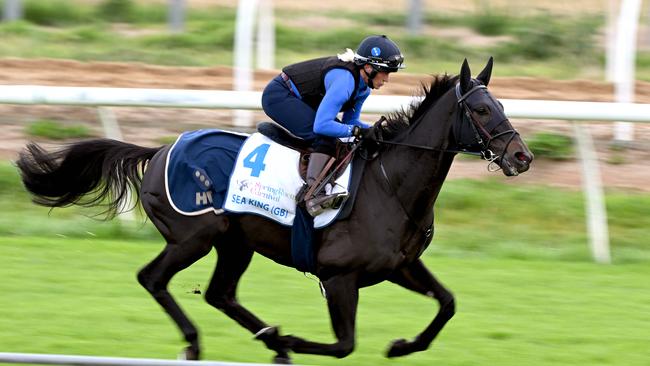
[{"x": 379, "y": 80}]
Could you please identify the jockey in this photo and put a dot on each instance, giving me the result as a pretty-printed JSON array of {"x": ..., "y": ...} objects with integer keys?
[{"x": 307, "y": 97}]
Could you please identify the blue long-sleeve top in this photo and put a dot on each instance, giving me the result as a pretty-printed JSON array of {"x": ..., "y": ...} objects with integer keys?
[{"x": 339, "y": 86}]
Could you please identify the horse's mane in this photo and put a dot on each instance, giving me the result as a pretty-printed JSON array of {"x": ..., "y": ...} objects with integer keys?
[{"x": 402, "y": 119}]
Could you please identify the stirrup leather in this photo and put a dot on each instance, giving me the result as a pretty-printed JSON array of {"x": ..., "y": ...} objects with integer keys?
[{"x": 318, "y": 196}]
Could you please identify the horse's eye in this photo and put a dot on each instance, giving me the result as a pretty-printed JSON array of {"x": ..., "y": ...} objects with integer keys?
[{"x": 482, "y": 110}]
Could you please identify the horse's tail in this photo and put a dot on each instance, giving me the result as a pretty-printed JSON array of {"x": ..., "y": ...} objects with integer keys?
[{"x": 95, "y": 172}]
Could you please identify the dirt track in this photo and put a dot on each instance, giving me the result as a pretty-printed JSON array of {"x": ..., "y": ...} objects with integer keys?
[
  {"x": 554, "y": 6},
  {"x": 147, "y": 126},
  {"x": 75, "y": 73}
]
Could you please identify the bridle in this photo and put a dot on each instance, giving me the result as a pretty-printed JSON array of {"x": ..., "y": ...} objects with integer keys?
[{"x": 482, "y": 134}]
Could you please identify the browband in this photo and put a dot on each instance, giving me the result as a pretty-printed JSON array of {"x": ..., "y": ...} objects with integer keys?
[{"x": 462, "y": 97}]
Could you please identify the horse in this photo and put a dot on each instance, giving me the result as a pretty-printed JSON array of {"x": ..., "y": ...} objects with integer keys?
[{"x": 383, "y": 237}]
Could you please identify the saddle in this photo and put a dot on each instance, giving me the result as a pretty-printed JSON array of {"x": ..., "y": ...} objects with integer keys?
[{"x": 343, "y": 156}]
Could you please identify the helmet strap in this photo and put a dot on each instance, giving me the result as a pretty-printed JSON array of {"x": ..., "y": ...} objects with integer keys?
[{"x": 371, "y": 76}]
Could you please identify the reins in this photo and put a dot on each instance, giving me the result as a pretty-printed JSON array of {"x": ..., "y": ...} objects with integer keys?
[{"x": 429, "y": 148}]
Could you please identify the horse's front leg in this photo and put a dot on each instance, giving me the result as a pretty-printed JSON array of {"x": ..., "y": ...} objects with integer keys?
[
  {"x": 416, "y": 277},
  {"x": 342, "y": 299}
]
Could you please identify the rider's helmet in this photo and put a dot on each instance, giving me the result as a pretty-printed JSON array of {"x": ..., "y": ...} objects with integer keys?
[{"x": 379, "y": 52}]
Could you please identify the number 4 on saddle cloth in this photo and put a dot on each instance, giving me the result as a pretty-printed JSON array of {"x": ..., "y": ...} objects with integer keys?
[{"x": 221, "y": 171}]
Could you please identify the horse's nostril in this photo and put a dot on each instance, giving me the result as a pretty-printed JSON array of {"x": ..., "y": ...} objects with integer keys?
[{"x": 523, "y": 157}]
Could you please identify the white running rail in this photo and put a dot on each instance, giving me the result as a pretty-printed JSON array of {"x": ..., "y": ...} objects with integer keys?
[{"x": 48, "y": 359}]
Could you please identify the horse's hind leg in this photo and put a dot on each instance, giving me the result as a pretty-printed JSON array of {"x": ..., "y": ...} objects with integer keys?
[
  {"x": 233, "y": 260},
  {"x": 188, "y": 239},
  {"x": 416, "y": 277},
  {"x": 155, "y": 277}
]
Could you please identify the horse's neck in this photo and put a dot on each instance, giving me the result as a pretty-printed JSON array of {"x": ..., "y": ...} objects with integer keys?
[{"x": 418, "y": 174}]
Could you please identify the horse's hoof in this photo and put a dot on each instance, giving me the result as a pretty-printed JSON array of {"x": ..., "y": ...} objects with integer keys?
[
  {"x": 399, "y": 347},
  {"x": 189, "y": 353},
  {"x": 275, "y": 342},
  {"x": 282, "y": 360},
  {"x": 267, "y": 333}
]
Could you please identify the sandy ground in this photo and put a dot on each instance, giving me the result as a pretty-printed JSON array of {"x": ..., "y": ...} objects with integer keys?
[
  {"x": 147, "y": 126},
  {"x": 582, "y": 6}
]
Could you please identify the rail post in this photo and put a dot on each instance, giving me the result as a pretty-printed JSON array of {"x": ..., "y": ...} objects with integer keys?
[{"x": 595, "y": 208}]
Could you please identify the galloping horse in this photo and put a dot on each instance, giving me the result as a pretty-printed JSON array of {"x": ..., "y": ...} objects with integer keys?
[{"x": 390, "y": 225}]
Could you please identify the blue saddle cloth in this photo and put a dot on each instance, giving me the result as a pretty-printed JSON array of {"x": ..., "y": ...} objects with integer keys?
[
  {"x": 198, "y": 172},
  {"x": 198, "y": 169}
]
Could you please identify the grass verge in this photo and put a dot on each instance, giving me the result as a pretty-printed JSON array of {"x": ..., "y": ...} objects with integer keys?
[
  {"x": 55, "y": 130},
  {"x": 80, "y": 296}
]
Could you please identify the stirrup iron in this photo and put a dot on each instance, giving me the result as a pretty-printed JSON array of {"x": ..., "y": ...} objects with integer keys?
[{"x": 316, "y": 205}]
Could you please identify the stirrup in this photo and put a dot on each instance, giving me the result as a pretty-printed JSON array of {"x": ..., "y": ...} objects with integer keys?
[
  {"x": 316, "y": 205},
  {"x": 338, "y": 200}
]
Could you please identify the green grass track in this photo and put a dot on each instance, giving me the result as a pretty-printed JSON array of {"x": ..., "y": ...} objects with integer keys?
[{"x": 80, "y": 296}]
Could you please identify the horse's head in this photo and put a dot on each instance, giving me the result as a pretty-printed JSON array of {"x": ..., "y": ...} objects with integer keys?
[{"x": 483, "y": 127}]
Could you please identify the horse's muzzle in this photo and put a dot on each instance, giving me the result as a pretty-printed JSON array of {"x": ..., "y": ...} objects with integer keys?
[{"x": 516, "y": 163}]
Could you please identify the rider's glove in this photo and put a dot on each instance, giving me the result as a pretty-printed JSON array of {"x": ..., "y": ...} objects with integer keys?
[{"x": 364, "y": 133}]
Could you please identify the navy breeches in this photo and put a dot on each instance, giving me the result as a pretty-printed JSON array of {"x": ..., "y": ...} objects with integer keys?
[{"x": 290, "y": 112}]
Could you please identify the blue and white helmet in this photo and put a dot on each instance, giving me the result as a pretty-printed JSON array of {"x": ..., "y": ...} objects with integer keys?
[{"x": 379, "y": 52}]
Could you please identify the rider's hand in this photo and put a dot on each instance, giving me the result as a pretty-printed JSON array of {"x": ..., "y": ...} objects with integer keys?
[
  {"x": 364, "y": 133},
  {"x": 381, "y": 123}
]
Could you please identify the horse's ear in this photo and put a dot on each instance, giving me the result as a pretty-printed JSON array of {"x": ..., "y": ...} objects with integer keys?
[
  {"x": 484, "y": 76},
  {"x": 465, "y": 77}
]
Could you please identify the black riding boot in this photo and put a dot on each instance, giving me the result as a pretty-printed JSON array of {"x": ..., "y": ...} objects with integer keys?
[{"x": 319, "y": 201}]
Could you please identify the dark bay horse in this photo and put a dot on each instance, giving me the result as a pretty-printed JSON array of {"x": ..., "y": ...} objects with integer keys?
[{"x": 390, "y": 225}]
